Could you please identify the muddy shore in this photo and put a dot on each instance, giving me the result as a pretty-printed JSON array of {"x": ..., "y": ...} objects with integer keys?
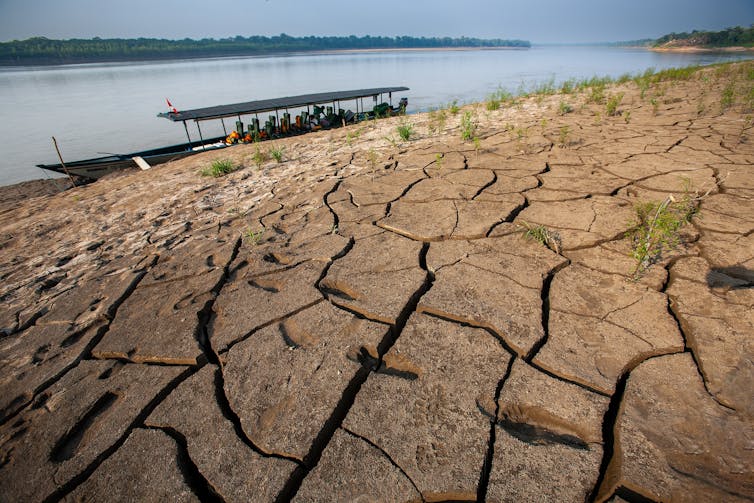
[{"x": 367, "y": 320}]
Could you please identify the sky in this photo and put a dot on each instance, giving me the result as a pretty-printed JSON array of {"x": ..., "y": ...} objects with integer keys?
[{"x": 539, "y": 21}]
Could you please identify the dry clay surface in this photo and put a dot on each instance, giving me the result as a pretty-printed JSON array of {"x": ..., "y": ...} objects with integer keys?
[{"x": 366, "y": 321}]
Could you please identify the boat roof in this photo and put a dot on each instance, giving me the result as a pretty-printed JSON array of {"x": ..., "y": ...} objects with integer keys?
[{"x": 250, "y": 107}]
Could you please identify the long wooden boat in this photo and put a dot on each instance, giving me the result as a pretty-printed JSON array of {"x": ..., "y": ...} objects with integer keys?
[{"x": 98, "y": 167}]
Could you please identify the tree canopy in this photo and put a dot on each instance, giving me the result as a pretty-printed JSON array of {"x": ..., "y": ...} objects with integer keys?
[
  {"x": 729, "y": 37},
  {"x": 41, "y": 50}
]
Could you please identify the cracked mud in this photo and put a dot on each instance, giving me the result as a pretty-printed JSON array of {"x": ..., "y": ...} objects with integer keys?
[{"x": 366, "y": 322}]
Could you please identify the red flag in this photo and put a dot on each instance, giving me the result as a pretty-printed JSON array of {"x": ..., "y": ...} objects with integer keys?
[{"x": 170, "y": 105}]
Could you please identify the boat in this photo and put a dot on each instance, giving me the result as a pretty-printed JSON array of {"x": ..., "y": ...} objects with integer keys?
[
  {"x": 97, "y": 167},
  {"x": 321, "y": 117}
]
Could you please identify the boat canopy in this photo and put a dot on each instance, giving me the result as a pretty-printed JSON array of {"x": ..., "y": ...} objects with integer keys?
[{"x": 250, "y": 107}]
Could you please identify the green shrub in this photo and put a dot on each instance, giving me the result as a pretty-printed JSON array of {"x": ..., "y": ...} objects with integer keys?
[
  {"x": 564, "y": 108},
  {"x": 612, "y": 104},
  {"x": 405, "y": 130},
  {"x": 277, "y": 153},
  {"x": 468, "y": 126},
  {"x": 219, "y": 167}
]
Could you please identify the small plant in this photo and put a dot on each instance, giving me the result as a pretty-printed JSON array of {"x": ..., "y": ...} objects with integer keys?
[
  {"x": 728, "y": 96},
  {"x": 563, "y": 137},
  {"x": 453, "y": 108},
  {"x": 253, "y": 237},
  {"x": 372, "y": 158},
  {"x": 436, "y": 122},
  {"x": 612, "y": 104},
  {"x": 564, "y": 108},
  {"x": 627, "y": 116},
  {"x": 219, "y": 167},
  {"x": 468, "y": 126},
  {"x": 477, "y": 144},
  {"x": 391, "y": 140},
  {"x": 277, "y": 153},
  {"x": 259, "y": 157},
  {"x": 657, "y": 225},
  {"x": 655, "y": 105},
  {"x": 493, "y": 103},
  {"x": 597, "y": 94},
  {"x": 405, "y": 130},
  {"x": 568, "y": 86},
  {"x": 438, "y": 160},
  {"x": 543, "y": 235}
]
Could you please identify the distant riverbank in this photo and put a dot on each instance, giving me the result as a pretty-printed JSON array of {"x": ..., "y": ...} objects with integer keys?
[
  {"x": 702, "y": 49},
  {"x": 40, "y": 51}
]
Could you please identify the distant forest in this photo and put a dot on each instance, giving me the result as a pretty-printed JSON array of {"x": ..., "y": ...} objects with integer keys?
[
  {"x": 730, "y": 37},
  {"x": 43, "y": 51}
]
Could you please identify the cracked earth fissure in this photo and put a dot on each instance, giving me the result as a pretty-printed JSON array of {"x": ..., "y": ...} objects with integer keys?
[
  {"x": 200, "y": 486},
  {"x": 484, "y": 477},
  {"x": 545, "y": 296},
  {"x": 348, "y": 397},
  {"x": 86, "y": 352},
  {"x": 64, "y": 489},
  {"x": 385, "y": 454},
  {"x": 230, "y": 414}
]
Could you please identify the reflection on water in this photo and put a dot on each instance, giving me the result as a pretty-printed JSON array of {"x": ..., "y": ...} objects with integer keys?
[{"x": 104, "y": 108}]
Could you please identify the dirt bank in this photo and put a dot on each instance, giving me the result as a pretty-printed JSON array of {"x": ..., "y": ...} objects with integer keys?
[{"x": 366, "y": 320}]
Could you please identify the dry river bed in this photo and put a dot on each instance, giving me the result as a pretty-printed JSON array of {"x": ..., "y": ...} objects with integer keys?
[{"x": 365, "y": 321}]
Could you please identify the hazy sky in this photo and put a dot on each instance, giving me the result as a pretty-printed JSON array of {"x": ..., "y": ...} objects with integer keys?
[{"x": 540, "y": 21}]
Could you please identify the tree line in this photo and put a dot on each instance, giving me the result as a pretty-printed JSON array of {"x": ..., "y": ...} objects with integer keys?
[
  {"x": 41, "y": 50},
  {"x": 736, "y": 36}
]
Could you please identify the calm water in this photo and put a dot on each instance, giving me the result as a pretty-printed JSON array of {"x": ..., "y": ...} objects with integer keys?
[{"x": 104, "y": 108}]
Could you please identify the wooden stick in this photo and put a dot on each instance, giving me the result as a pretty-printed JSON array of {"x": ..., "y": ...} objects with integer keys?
[{"x": 55, "y": 142}]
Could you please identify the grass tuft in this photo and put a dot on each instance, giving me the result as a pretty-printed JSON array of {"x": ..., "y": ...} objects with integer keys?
[
  {"x": 543, "y": 235},
  {"x": 405, "y": 130},
  {"x": 219, "y": 167},
  {"x": 468, "y": 126}
]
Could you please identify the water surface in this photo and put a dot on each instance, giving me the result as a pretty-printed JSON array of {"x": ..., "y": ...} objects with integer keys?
[{"x": 96, "y": 109}]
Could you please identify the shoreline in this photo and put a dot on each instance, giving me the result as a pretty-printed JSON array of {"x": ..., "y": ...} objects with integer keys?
[{"x": 702, "y": 49}]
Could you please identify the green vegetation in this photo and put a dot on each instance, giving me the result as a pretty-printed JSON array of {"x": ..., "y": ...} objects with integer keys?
[
  {"x": 254, "y": 237},
  {"x": 563, "y": 136},
  {"x": 564, "y": 108},
  {"x": 259, "y": 157},
  {"x": 219, "y": 167},
  {"x": 436, "y": 122},
  {"x": 727, "y": 97},
  {"x": 405, "y": 130},
  {"x": 612, "y": 104},
  {"x": 543, "y": 235},
  {"x": 736, "y": 36},
  {"x": 497, "y": 98},
  {"x": 277, "y": 153},
  {"x": 655, "y": 230},
  {"x": 40, "y": 50},
  {"x": 468, "y": 126},
  {"x": 453, "y": 107}
]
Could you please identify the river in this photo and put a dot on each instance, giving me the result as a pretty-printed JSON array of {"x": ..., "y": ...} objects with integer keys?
[{"x": 95, "y": 109}]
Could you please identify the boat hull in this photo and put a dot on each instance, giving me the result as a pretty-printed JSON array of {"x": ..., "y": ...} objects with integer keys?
[{"x": 98, "y": 167}]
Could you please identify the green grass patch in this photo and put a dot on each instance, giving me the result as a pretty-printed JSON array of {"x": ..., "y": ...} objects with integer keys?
[
  {"x": 405, "y": 130},
  {"x": 219, "y": 167},
  {"x": 468, "y": 126},
  {"x": 277, "y": 153}
]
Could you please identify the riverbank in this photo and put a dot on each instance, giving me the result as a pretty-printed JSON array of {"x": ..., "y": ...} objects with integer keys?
[
  {"x": 702, "y": 49},
  {"x": 368, "y": 319}
]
